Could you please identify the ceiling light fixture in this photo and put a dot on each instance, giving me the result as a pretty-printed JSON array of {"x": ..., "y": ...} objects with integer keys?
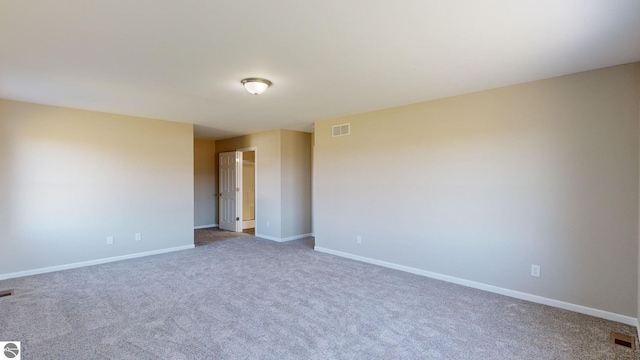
[{"x": 256, "y": 86}]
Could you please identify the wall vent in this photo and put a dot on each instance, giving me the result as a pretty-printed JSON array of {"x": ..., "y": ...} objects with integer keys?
[
  {"x": 4, "y": 293},
  {"x": 623, "y": 340},
  {"x": 341, "y": 130}
]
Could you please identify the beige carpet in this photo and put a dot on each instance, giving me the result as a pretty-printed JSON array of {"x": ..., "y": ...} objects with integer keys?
[
  {"x": 210, "y": 235},
  {"x": 247, "y": 298}
]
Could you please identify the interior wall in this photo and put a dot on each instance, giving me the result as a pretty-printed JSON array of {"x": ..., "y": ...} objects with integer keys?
[
  {"x": 71, "y": 178},
  {"x": 482, "y": 186},
  {"x": 268, "y": 201},
  {"x": 296, "y": 183},
  {"x": 205, "y": 183},
  {"x": 283, "y": 187}
]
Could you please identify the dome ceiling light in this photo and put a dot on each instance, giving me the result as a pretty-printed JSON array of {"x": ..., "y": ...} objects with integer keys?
[{"x": 256, "y": 86}]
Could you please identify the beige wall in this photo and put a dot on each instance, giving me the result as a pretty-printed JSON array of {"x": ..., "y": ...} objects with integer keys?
[
  {"x": 70, "y": 178},
  {"x": 205, "y": 183},
  {"x": 296, "y": 183},
  {"x": 482, "y": 186},
  {"x": 283, "y": 186}
]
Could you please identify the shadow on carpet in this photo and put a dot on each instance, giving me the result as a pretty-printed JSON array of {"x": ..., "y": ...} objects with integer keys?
[{"x": 211, "y": 235}]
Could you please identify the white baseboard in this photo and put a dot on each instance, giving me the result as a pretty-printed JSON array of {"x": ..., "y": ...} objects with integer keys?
[
  {"x": 296, "y": 237},
  {"x": 290, "y": 238},
  {"x": 91, "y": 262},
  {"x": 204, "y": 226},
  {"x": 248, "y": 224},
  {"x": 490, "y": 288}
]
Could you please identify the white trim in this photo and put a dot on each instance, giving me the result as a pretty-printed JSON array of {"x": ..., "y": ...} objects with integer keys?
[
  {"x": 256, "y": 214},
  {"x": 247, "y": 149},
  {"x": 296, "y": 237},
  {"x": 490, "y": 288},
  {"x": 267, "y": 237},
  {"x": 248, "y": 224},
  {"x": 239, "y": 191},
  {"x": 205, "y": 226},
  {"x": 91, "y": 262},
  {"x": 290, "y": 238}
]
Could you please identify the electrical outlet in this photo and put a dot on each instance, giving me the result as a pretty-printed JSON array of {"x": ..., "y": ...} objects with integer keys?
[
  {"x": 359, "y": 239},
  {"x": 138, "y": 236},
  {"x": 535, "y": 270},
  {"x": 109, "y": 240}
]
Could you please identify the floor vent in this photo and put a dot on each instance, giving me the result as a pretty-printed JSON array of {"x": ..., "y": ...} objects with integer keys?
[
  {"x": 4, "y": 293},
  {"x": 623, "y": 340}
]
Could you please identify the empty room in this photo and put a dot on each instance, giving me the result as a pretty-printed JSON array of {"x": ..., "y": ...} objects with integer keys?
[{"x": 320, "y": 180}]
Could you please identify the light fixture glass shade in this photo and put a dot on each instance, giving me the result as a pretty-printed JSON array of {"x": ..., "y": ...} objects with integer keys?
[{"x": 256, "y": 85}]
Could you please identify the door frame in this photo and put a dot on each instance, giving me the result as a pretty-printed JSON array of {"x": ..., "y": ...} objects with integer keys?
[
  {"x": 255, "y": 185},
  {"x": 235, "y": 224}
]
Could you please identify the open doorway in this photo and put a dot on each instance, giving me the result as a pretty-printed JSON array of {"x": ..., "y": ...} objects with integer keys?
[
  {"x": 249, "y": 192},
  {"x": 238, "y": 187}
]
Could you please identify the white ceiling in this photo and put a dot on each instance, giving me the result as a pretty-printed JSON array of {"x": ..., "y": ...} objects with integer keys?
[{"x": 183, "y": 60}]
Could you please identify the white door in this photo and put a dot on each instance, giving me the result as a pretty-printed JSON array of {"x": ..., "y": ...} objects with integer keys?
[{"x": 230, "y": 191}]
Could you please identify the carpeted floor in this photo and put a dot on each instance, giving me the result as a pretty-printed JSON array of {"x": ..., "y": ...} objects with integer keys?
[
  {"x": 246, "y": 298},
  {"x": 210, "y": 235}
]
